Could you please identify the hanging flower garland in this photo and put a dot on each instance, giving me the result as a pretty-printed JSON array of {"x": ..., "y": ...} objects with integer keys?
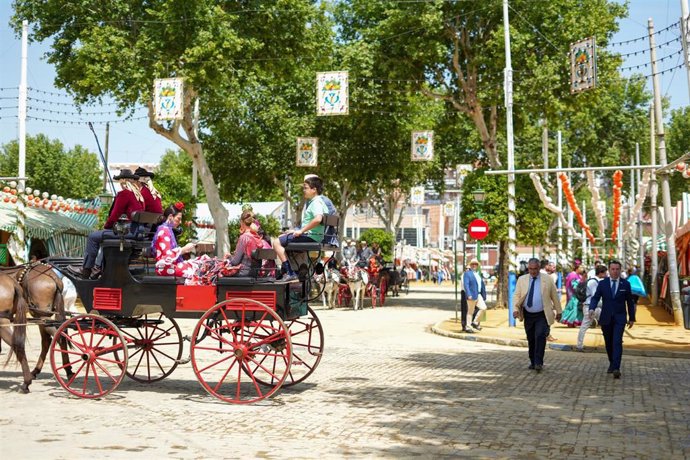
[
  {"x": 617, "y": 187},
  {"x": 570, "y": 198}
]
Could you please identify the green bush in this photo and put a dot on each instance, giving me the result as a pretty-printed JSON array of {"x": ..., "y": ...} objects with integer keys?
[
  {"x": 383, "y": 238},
  {"x": 269, "y": 224}
]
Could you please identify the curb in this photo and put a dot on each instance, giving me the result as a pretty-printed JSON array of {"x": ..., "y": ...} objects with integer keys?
[{"x": 522, "y": 343}]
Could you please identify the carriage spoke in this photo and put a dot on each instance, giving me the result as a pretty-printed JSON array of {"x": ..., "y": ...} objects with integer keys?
[
  {"x": 86, "y": 379},
  {"x": 222, "y": 379},
  {"x": 217, "y": 362},
  {"x": 105, "y": 370},
  {"x": 163, "y": 353},
  {"x": 98, "y": 381},
  {"x": 141, "y": 358},
  {"x": 157, "y": 362},
  {"x": 76, "y": 374},
  {"x": 79, "y": 346},
  {"x": 68, "y": 364}
]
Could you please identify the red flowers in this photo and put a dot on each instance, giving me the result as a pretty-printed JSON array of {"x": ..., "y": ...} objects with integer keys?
[{"x": 179, "y": 206}]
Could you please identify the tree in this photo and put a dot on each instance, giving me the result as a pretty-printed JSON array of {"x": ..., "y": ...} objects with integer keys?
[
  {"x": 174, "y": 179},
  {"x": 385, "y": 240},
  {"x": 73, "y": 173},
  {"x": 117, "y": 49}
]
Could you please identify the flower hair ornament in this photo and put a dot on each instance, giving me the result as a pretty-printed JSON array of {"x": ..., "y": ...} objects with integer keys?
[{"x": 179, "y": 206}]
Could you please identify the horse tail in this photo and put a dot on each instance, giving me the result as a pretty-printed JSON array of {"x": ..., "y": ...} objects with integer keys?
[
  {"x": 59, "y": 303},
  {"x": 19, "y": 327}
]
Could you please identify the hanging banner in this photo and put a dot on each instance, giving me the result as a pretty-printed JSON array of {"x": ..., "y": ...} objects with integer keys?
[
  {"x": 422, "y": 145},
  {"x": 307, "y": 151},
  {"x": 332, "y": 93},
  {"x": 168, "y": 93},
  {"x": 449, "y": 209},
  {"x": 417, "y": 196},
  {"x": 583, "y": 66}
]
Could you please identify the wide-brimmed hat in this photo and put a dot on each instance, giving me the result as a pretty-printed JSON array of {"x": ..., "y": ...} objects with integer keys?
[
  {"x": 474, "y": 261},
  {"x": 126, "y": 174},
  {"x": 141, "y": 172}
]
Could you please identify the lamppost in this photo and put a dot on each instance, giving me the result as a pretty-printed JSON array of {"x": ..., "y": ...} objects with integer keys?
[
  {"x": 478, "y": 195},
  {"x": 106, "y": 198}
]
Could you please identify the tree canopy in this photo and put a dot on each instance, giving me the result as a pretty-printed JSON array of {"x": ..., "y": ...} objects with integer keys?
[{"x": 73, "y": 173}]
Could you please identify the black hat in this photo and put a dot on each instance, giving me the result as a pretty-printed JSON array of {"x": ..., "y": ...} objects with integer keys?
[
  {"x": 141, "y": 172},
  {"x": 126, "y": 174}
]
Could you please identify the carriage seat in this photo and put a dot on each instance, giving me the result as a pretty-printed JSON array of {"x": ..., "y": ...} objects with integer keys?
[
  {"x": 155, "y": 279},
  {"x": 330, "y": 238}
]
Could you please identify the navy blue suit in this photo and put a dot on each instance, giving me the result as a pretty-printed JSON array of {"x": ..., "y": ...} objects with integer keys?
[{"x": 614, "y": 316}]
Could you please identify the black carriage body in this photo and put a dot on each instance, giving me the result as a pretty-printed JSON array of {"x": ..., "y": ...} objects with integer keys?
[{"x": 118, "y": 293}]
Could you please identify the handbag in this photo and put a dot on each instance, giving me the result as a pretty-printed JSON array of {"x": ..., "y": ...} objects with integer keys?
[
  {"x": 480, "y": 303},
  {"x": 636, "y": 286}
]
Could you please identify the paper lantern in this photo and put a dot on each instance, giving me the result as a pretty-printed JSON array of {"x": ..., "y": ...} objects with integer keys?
[
  {"x": 14, "y": 199},
  {"x": 53, "y": 197},
  {"x": 6, "y": 199},
  {"x": 45, "y": 195},
  {"x": 6, "y": 189},
  {"x": 680, "y": 166},
  {"x": 13, "y": 184},
  {"x": 28, "y": 190},
  {"x": 37, "y": 192}
]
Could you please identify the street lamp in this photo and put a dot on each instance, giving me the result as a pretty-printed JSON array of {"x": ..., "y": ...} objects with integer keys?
[
  {"x": 479, "y": 195},
  {"x": 106, "y": 198}
]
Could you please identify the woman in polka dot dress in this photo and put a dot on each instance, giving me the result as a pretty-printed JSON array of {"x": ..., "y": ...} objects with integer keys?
[{"x": 169, "y": 261}]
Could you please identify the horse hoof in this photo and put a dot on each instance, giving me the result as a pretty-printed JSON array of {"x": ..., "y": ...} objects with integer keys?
[
  {"x": 35, "y": 373},
  {"x": 24, "y": 389}
]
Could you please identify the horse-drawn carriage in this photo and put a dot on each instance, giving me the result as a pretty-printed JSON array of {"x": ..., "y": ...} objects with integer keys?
[{"x": 252, "y": 334}]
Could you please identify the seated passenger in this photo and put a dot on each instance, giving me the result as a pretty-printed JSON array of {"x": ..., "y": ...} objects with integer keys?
[
  {"x": 312, "y": 229},
  {"x": 127, "y": 201},
  {"x": 248, "y": 241},
  {"x": 152, "y": 197}
]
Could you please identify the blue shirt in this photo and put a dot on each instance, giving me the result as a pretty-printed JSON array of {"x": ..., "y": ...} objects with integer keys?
[{"x": 537, "y": 304}]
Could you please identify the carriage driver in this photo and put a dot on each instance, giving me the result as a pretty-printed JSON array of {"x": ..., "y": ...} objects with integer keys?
[
  {"x": 152, "y": 197},
  {"x": 312, "y": 229}
]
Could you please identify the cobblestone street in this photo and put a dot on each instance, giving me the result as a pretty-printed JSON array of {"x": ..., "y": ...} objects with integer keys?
[{"x": 386, "y": 387}]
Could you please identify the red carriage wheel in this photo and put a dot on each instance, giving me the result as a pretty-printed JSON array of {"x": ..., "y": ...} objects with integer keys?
[
  {"x": 383, "y": 287},
  {"x": 155, "y": 348},
  {"x": 306, "y": 335},
  {"x": 237, "y": 346},
  {"x": 96, "y": 349}
]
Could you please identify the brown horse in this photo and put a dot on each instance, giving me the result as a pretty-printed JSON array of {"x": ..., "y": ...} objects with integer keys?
[
  {"x": 43, "y": 292},
  {"x": 13, "y": 310}
]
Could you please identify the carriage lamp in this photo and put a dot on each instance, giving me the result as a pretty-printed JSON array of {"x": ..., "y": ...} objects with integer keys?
[
  {"x": 478, "y": 196},
  {"x": 121, "y": 227},
  {"x": 106, "y": 198}
]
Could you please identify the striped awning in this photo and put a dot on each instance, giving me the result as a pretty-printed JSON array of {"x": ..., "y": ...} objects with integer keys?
[
  {"x": 661, "y": 244},
  {"x": 40, "y": 223}
]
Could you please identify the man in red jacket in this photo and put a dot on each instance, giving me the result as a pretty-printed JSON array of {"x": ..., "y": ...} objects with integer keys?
[{"x": 127, "y": 201}]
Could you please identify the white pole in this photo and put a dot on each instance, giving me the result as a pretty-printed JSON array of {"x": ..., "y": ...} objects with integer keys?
[
  {"x": 559, "y": 250},
  {"x": 512, "y": 223},
  {"x": 674, "y": 287},
  {"x": 653, "y": 191},
  {"x": 441, "y": 229},
  {"x": 195, "y": 172},
  {"x": 685, "y": 34},
  {"x": 584, "y": 235},
  {"x": 23, "y": 90}
]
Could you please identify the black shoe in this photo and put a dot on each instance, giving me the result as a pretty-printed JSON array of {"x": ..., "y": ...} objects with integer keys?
[
  {"x": 477, "y": 327},
  {"x": 80, "y": 271},
  {"x": 531, "y": 367},
  {"x": 616, "y": 374},
  {"x": 609, "y": 371},
  {"x": 538, "y": 367}
]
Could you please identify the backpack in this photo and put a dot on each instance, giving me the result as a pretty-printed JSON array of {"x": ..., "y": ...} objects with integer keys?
[{"x": 580, "y": 291}]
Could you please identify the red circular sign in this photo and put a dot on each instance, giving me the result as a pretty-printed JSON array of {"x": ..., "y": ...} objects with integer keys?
[{"x": 478, "y": 229}]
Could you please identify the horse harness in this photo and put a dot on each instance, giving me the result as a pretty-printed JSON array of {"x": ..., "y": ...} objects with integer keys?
[{"x": 23, "y": 280}]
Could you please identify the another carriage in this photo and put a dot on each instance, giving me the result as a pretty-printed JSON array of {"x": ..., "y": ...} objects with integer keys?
[{"x": 253, "y": 334}]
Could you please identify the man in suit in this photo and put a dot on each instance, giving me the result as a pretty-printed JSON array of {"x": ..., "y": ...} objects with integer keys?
[
  {"x": 536, "y": 303},
  {"x": 474, "y": 286},
  {"x": 616, "y": 294}
]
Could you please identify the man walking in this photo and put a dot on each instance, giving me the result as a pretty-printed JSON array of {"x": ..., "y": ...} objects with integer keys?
[
  {"x": 616, "y": 294},
  {"x": 537, "y": 304},
  {"x": 592, "y": 283},
  {"x": 473, "y": 283}
]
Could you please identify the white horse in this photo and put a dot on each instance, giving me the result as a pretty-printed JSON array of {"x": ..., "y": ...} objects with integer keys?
[{"x": 357, "y": 280}]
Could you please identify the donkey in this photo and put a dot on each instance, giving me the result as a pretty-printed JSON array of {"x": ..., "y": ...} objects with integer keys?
[{"x": 13, "y": 310}]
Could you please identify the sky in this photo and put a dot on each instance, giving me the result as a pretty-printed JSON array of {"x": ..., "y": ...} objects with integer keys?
[{"x": 134, "y": 142}]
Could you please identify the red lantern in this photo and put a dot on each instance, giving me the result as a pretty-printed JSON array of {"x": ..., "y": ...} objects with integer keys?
[
  {"x": 6, "y": 189},
  {"x": 6, "y": 199},
  {"x": 14, "y": 199},
  {"x": 30, "y": 197}
]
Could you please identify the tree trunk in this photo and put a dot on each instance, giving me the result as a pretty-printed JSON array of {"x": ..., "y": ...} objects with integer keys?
[
  {"x": 502, "y": 287},
  {"x": 193, "y": 148}
]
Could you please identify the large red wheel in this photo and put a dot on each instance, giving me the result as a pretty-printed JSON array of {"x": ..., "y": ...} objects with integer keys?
[
  {"x": 238, "y": 345},
  {"x": 373, "y": 294},
  {"x": 306, "y": 335},
  {"x": 383, "y": 288},
  {"x": 96, "y": 349},
  {"x": 155, "y": 348}
]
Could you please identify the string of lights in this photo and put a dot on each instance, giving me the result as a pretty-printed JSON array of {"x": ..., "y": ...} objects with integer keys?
[
  {"x": 72, "y": 122},
  {"x": 68, "y": 104},
  {"x": 63, "y": 112},
  {"x": 646, "y": 64},
  {"x": 646, "y": 50},
  {"x": 646, "y": 36}
]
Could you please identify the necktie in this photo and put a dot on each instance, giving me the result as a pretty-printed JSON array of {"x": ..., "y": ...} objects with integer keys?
[
  {"x": 614, "y": 288},
  {"x": 530, "y": 295}
]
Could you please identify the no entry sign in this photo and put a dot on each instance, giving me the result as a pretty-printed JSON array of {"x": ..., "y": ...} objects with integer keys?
[{"x": 478, "y": 229}]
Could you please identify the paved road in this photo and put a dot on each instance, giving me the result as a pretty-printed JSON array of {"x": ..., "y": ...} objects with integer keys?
[{"x": 385, "y": 388}]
